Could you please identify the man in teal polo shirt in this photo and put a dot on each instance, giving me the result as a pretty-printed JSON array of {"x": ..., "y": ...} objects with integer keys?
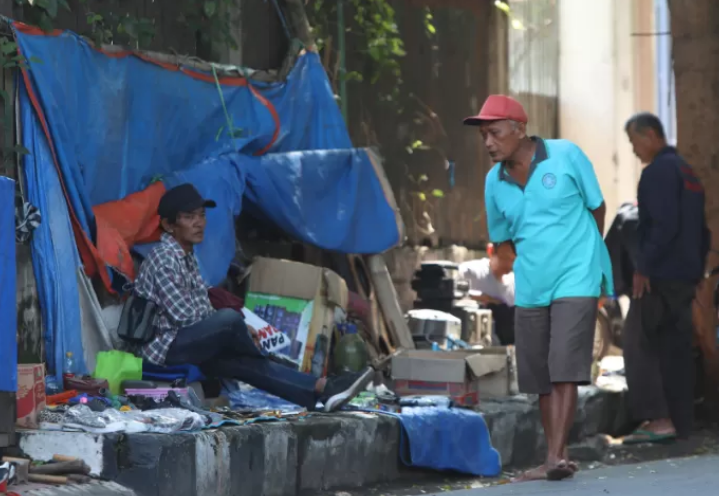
[{"x": 543, "y": 196}]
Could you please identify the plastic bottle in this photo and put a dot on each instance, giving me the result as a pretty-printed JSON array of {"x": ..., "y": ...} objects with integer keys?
[
  {"x": 350, "y": 354},
  {"x": 51, "y": 386},
  {"x": 68, "y": 367}
]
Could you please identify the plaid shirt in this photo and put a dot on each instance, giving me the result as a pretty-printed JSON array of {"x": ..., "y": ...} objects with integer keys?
[{"x": 171, "y": 279}]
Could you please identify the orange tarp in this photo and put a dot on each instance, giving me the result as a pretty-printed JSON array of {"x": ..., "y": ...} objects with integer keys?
[{"x": 124, "y": 223}]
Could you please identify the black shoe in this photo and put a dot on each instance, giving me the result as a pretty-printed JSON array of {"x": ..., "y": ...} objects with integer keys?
[
  {"x": 282, "y": 361},
  {"x": 341, "y": 389}
]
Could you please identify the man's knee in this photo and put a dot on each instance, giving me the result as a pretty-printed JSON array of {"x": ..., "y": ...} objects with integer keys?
[{"x": 227, "y": 317}]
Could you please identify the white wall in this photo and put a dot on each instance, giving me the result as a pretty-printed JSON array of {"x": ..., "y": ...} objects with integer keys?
[{"x": 597, "y": 90}]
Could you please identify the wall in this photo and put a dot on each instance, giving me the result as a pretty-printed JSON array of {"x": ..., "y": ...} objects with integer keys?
[
  {"x": 606, "y": 75},
  {"x": 446, "y": 77},
  {"x": 533, "y": 60},
  {"x": 666, "y": 102}
]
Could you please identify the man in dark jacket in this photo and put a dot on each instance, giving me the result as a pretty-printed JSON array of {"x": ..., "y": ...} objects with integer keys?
[{"x": 673, "y": 244}]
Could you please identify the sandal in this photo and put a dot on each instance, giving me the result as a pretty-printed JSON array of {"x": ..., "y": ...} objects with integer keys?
[{"x": 641, "y": 436}]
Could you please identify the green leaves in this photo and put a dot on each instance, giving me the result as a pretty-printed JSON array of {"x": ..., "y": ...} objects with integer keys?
[
  {"x": 140, "y": 30},
  {"x": 210, "y": 19},
  {"x": 429, "y": 22},
  {"x": 19, "y": 150},
  {"x": 10, "y": 58},
  {"x": 93, "y": 18},
  {"x": 49, "y": 6},
  {"x": 210, "y": 8},
  {"x": 9, "y": 153},
  {"x": 7, "y": 47}
]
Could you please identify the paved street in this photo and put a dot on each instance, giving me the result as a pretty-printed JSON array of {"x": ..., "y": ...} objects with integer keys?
[{"x": 688, "y": 477}]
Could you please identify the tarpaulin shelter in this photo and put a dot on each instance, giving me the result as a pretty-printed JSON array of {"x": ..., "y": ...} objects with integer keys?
[{"x": 110, "y": 131}]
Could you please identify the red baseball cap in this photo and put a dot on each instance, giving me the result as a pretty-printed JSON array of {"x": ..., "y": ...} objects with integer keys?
[{"x": 499, "y": 108}]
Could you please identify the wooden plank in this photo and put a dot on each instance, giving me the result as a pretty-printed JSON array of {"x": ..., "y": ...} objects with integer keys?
[
  {"x": 388, "y": 302},
  {"x": 385, "y": 338},
  {"x": 373, "y": 330},
  {"x": 48, "y": 479}
]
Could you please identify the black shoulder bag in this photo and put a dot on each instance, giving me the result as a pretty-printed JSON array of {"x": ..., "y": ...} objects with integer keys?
[{"x": 137, "y": 322}]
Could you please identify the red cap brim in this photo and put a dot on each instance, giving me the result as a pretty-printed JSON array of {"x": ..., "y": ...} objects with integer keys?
[{"x": 476, "y": 120}]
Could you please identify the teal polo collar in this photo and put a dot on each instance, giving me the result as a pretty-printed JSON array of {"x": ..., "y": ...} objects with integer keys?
[{"x": 540, "y": 155}]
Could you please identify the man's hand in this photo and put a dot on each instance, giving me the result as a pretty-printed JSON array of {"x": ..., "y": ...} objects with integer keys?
[
  {"x": 601, "y": 302},
  {"x": 486, "y": 299},
  {"x": 255, "y": 336},
  {"x": 640, "y": 285}
]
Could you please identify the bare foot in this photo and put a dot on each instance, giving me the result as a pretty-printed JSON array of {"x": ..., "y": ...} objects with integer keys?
[
  {"x": 539, "y": 473},
  {"x": 559, "y": 471},
  {"x": 572, "y": 465}
]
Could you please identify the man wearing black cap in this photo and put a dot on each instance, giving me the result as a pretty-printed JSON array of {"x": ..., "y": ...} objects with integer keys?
[{"x": 190, "y": 331}]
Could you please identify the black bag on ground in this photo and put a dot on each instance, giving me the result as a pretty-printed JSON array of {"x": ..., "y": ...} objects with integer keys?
[{"x": 137, "y": 320}]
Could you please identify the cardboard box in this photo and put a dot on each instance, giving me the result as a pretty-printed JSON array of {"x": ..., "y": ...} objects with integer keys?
[
  {"x": 300, "y": 300},
  {"x": 30, "y": 394},
  {"x": 465, "y": 376}
]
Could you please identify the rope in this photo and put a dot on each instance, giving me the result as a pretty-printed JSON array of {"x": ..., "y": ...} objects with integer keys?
[
  {"x": 282, "y": 18},
  {"x": 230, "y": 126}
]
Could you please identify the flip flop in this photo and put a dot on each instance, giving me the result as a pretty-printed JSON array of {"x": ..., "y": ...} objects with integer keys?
[
  {"x": 641, "y": 436},
  {"x": 560, "y": 472}
]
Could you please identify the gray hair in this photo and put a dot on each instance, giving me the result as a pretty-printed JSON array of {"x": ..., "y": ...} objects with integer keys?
[{"x": 644, "y": 121}]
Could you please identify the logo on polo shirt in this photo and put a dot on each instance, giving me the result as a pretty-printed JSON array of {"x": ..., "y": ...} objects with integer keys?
[{"x": 549, "y": 180}]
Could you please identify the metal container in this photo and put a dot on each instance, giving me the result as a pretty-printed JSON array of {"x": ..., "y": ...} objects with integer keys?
[{"x": 428, "y": 326}]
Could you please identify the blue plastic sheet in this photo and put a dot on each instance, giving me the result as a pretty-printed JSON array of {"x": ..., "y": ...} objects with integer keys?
[
  {"x": 118, "y": 123},
  {"x": 8, "y": 284},
  {"x": 454, "y": 439},
  {"x": 54, "y": 252}
]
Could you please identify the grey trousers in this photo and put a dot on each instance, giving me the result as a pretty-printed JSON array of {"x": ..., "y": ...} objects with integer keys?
[{"x": 658, "y": 358}]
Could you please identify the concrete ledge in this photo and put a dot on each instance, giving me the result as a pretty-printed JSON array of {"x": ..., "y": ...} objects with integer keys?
[
  {"x": 294, "y": 458},
  {"x": 516, "y": 427},
  {"x": 270, "y": 459}
]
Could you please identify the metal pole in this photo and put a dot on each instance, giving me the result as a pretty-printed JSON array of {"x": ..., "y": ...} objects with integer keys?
[{"x": 342, "y": 55}]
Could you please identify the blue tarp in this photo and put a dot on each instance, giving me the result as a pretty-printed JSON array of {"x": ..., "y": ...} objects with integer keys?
[
  {"x": 118, "y": 123},
  {"x": 54, "y": 252},
  {"x": 8, "y": 283},
  {"x": 442, "y": 438}
]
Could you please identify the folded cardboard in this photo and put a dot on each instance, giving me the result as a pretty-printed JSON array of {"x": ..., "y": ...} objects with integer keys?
[
  {"x": 465, "y": 376},
  {"x": 300, "y": 300},
  {"x": 30, "y": 394}
]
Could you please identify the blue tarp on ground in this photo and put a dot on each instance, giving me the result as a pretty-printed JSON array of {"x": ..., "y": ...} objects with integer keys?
[
  {"x": 8, "y": 284},
  {"x": 119, "y": 122},
  {"x": 442, "y": 438}
]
